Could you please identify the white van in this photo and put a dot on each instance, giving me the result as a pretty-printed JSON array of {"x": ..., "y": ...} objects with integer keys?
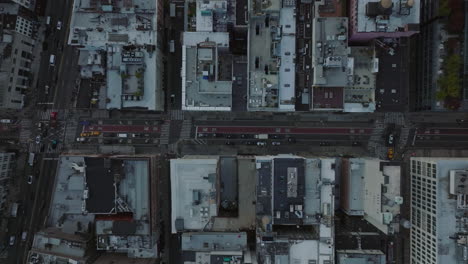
[{"x": 52, "y": 60}]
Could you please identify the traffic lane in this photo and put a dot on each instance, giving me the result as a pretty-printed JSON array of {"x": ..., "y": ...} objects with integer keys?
[
  {"x": 443, "y": 131},
  {"x": 67, "y": 75},
  {"x": 121, "y": 128},
  {"x": 256, "y": 122},
  {"x": 322, "y": 140},
  {"x": 282, "y": 130}
]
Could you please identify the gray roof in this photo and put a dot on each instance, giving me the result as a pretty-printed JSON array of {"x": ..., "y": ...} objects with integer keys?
[{"x": 213, "y": 241}]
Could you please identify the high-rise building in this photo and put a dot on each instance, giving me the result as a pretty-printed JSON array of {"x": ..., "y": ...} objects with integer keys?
[{"x": 439, "y": 194}]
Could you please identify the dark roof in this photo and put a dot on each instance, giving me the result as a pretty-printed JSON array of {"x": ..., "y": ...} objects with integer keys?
[
  {"x": 327, "y": 97},
  {"x": 374, "y": 9},
  {"x": 228, "y": 183},
  {"x": 123, "y": 228},
  {"x": 263, "y": 203},
  {"x": 240, "y": 12},
  {"x": 101, "y": 185},
  {"x": 289, "y": 190}
]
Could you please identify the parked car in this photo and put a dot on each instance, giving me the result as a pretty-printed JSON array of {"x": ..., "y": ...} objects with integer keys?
[
  {"x": 30, "y": 179},
  {"x": 324, "y": 143},
  {"x": 12, "y": 240},
  {"x": 291, "y": 140},
  {"x": 38, "y": 139},
  {"x": 59, "y": 25},
  {"x": 229, "y": 143},
  {"x": 390, "y": 139},
  {"x": 24, "y": 235},
  {"x": 356, "y": 143},
  {"x": 261, "y": 143},
  {"x": 80, "y": 139},
  {"x": 275, "y": 143}
]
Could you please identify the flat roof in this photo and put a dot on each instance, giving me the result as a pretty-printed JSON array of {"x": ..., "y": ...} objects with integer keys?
[
  {"x": 95, "y": 24},
  {"x": 101, "y": 184},
  {"x": 206, "y": 71},
  {"x": 193, "y": 188},
  {"x": 287, "y": 73},
  {"x": 271, "y": 60},
  {"x": 288, "y": 190},
  {"x": 400, "y": 17},
  {"x": 330, "y": 51},
  {"x": 214, "y": 241},
  {"x": 327, "y": 98},
  {"x": 66, "y": 208}
]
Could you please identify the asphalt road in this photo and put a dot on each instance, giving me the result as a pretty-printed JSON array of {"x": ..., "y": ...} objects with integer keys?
[
  {"x": 32, "y": 211},
  {"x": 61, "y": 76}
]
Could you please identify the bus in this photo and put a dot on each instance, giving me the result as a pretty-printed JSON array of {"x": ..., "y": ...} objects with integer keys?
[
  {"x": 173, "y": 10},
  {"x": 14, "y": 209},
  {"x": 31, "y": 158}
]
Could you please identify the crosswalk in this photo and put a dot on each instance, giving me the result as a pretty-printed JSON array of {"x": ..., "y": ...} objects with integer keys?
[
  {"x": 186, "y": 130},
  {"x": 394, "y": 118},
  {"x": 199, "y": 141},
  {"x": 176, "y": 115},
  {"x": 45, "y": 147},
  {"x": 25, "y": 132},
  {"x": 45, "y": 115},
  {"x": 165, "y": 133}
]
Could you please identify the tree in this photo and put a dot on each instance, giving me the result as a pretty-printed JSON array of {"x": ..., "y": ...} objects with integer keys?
[
  {"x": 444, "y": 8},
  {"x": 450, "y": 82}
]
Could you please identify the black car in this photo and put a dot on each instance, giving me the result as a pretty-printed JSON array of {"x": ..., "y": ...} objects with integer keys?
[
  {"x": 356, "y": 143},
  {"x": 250, "y": 143},
  {"x": 291, "y": 140},
  {"x": 324, "y": 143},
  {"x": 229, "y": 143}
]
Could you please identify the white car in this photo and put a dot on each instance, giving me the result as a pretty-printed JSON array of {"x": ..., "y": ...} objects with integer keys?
[
  {"x": 38, "y": 140},
  {"x": 261, "y": 143},
  {"x": 24, "y": 235},
  {"x": 80, "y": 139},
  {"x": 12, "y": 240},
  {"x": 30, "y": 179},
  {"x": 276, "y": 143},
  {"x": 59, "y": 25}
]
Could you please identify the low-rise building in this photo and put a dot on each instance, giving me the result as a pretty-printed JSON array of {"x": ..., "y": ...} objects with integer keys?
[
  {"x": 125, "y": 32},
  {"x": 363, "y": 256},
  {"x": 271, "y": 56},
  {"x": 206, "y": 71},
  {"x": 295, "y": 209},
  {"x": 215, "y": 247},
  {"x": 370, "y": 19},
  {"x": 111, "y": 193},
  {"x": 438, "y": 210},
  {"x": 205, "y": 194},
  {"x": 371, "y": 188}
]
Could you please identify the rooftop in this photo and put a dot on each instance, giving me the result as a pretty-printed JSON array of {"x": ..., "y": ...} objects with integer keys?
[
  {"x": 100, "y": 185},
  {"x": 372, "y": 18},
  {"x": 360, "y": 257},
  {"x": 330, "y": 52},
  {"x": 272, "y": 54},
  {"x": 379, "y": 199},
  {"x": 214, "y": 241},
  {"x": 53, "y": 246},
  {"x": 206, "y": 71},
  {"x": 193, "y": 185},
  {"x": 122, "y": 22},
  {"x": 359, "y": 94}
]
